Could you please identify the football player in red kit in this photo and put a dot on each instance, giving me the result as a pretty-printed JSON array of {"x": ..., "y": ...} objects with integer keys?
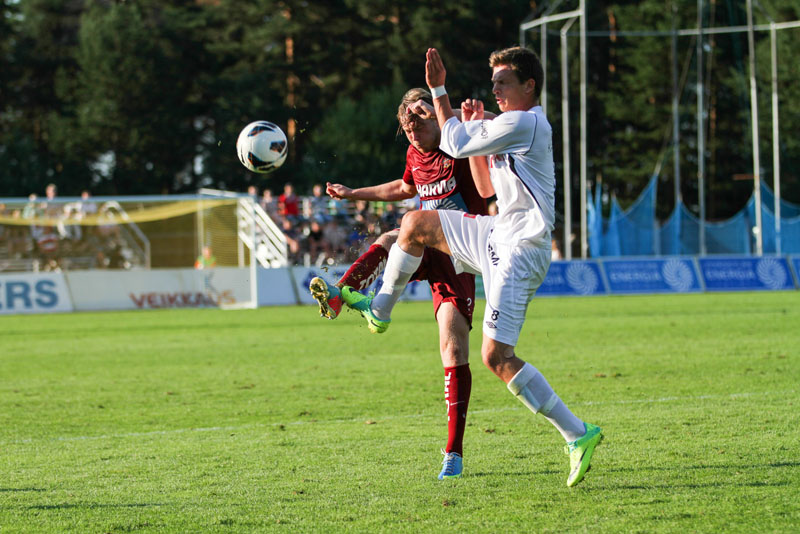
[{"x": 441, "y": 182}]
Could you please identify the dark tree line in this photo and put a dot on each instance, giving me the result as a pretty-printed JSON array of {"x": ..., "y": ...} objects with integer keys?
[{"x": 145, "y": 96}]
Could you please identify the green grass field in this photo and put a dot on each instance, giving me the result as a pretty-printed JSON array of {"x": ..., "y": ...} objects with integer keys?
[{"x": 275, "y": 420}]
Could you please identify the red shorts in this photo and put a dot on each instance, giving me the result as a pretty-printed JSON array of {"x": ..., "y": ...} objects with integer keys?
[{"x": 447, "y": 286}]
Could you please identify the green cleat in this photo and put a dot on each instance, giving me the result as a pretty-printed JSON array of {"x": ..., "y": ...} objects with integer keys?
[
  {"x": 362, "y": 304},
  {"x": 580, "y": 453}
]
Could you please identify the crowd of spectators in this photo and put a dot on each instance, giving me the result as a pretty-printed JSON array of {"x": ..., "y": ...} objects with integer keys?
[
  {"x": 322, "y": 230},
  {"x": 46, "y": 235}
]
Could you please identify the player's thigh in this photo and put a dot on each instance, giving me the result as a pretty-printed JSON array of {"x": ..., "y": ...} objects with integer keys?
[
  {"x": 424, "y": 228},
  {"x": 467, "y": 238},
  {"x": 453, "y": 335},
  {"x": 510, "y": 283}
]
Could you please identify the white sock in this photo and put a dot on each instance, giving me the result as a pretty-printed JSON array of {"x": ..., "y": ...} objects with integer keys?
[
  {"x": 533, "y": 390},
  {"x": 399, "y": 267}
]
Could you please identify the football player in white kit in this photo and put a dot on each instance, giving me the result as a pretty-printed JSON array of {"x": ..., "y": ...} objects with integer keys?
[{"x": 511, "y": 249}]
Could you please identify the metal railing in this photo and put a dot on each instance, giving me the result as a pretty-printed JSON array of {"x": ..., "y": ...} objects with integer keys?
[{"x": 256, "y": 230}]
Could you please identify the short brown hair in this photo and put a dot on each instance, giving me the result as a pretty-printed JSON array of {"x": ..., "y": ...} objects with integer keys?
[
  {"x": 524, "y": 62},
  {"x": 411, "y": 96}
]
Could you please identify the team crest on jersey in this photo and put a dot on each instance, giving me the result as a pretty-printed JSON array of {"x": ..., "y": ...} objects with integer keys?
[{"x": 447, "y": 163}]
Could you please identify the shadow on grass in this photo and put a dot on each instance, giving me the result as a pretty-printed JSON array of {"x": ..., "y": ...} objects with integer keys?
[
  {"x": 695, "y": 486},
  {"x": 699, "y": 467},
  {"x": 20, "y": 490},
  {"x": 90, "y": 506}
]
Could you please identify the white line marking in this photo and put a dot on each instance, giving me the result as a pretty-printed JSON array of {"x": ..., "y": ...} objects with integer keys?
[{"x": 731, "y": 396}]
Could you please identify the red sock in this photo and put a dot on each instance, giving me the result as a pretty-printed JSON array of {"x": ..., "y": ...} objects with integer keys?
[
  {"x": 366, "y": 269},
  {"x": 457, "y": 387}
]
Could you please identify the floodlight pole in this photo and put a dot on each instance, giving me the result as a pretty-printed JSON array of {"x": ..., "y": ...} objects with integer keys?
[
  {"x": 676, "y": 149},
  {"x": 582, "y": 24},
  {"x": 776, "y": 155},
  {"x": 701, "y": 135},
  {"x": 754, "y": 129},
  {"x": 543, "y": 59},
  {"x": 566, "y": 144}
]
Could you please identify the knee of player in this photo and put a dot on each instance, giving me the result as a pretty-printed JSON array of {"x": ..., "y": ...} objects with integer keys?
[
  {"x": 496, "y": 355},
  {"x": 492, "y": 359},
  {"x": 387, "y": 239},
  {"x": 453, "y": 354},
  {"x": 415, "y": 225}
]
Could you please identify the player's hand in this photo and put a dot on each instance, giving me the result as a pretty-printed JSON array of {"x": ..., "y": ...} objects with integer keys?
[
  {"x": 434, "y": 69},
  {"x": 422, "y": 109},
  {"x": 472, "y": 110},
  {"x": 338, "y": 191}
]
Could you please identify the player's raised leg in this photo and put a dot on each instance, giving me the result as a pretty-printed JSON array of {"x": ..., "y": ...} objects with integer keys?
[
  {"x": 417, "y": 230},
  {"x": 361, "y": 274}
]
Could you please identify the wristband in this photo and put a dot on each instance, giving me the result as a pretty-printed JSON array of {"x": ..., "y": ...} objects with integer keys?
[{"x": 436, "y": 92}]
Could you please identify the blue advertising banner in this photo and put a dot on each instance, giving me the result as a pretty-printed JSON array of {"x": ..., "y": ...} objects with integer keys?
[
  {"x": 669, "y": 275},
  {"x": 34, "y": 293},
  {"x": 794, "y": 261},
  {"x": 573, "y": 278},
  {"x": 745, "y": 274}
]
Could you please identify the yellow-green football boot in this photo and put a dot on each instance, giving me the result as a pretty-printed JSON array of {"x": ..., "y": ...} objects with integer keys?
[
  {"x": 580, "y": 453},
  {"x": 362, "y": 304}
]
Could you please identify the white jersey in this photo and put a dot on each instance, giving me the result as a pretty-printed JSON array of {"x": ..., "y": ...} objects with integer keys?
[{"x": 521, "y": 168}]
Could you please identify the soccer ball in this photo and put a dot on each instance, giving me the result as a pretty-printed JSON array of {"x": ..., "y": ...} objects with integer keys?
[{"x": 262, "y": 146}]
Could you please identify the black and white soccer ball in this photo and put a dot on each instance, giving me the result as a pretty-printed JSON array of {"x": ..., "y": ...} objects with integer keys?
[{"x": 262, "y": 146}]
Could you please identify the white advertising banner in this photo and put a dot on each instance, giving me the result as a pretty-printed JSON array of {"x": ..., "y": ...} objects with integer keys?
[
  {"x": 33, "y": 293},
  {"x": 159, "y": 288},
  {"x": 276, "y": 287}
]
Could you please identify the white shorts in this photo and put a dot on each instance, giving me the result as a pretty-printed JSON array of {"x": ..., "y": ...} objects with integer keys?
[{"x": 511, "y": 273}]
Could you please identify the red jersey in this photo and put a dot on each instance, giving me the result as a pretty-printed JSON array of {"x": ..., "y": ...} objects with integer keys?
[
  {"x": 443, "y": 182},
  {"x": 288, "y": 206}
]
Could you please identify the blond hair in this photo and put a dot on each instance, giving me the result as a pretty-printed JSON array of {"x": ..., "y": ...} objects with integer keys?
[{"x": 411, "y": 96}]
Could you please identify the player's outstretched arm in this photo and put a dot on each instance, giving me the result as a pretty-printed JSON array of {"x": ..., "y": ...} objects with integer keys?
[
  {"x": 473, "y": 110},
  {"x": 389, "y": 191}
]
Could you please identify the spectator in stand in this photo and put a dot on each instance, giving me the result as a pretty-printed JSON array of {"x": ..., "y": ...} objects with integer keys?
[
  {"x": 362, "y": 213},
  {"x": 253, "y": 192},
  {"x": 319, "y": 205},
  {"x": 318, "y": 247},
  {"x": 335, "y": 235},
  {"x": 555, "y": 252},
  {"x": 47, "y": 246},
  {"x": 390, "y": 219},
  {"x": 337, "y": 207},
  {"x": 31, "y": 209},
  {"x": 293, "y": 239},
  {"x": 269, "y": 204},
  {"x": 289, "y": 204},
  {"x": 51, "y": 207},
  {"x": 206, "y": 260},
  {"x": 88, "y": 208}
]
